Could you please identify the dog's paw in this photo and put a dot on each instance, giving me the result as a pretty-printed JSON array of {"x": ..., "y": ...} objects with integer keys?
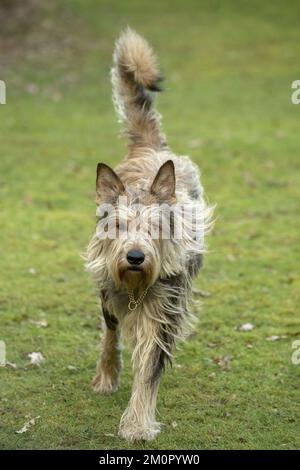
[
  {"x": 104, "y": 384},
  {"x": 138, "y": 432}
]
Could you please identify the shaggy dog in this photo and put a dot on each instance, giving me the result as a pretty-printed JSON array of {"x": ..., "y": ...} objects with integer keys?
[{"x": 149, "y": 240}]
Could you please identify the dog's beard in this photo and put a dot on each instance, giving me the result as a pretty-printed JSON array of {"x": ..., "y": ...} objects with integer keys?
[{"x": 139, "y": 278}]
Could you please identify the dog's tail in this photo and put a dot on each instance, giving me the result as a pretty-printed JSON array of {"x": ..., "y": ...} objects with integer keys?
[{"x": 135, "y": 79}]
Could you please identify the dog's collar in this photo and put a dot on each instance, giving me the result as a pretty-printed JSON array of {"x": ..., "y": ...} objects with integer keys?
[{"x": 134, "y": 303}]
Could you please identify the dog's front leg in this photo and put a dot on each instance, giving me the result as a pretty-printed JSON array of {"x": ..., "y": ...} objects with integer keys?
[
  {"x": 138, "y": 421},
  {"x": 108, "y": 368}
]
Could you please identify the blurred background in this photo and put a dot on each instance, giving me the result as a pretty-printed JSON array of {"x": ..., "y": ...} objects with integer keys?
[{"x": 229, "y": 66}]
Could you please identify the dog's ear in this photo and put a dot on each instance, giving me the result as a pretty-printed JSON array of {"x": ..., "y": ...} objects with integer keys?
[
  {"x": 163, "y": 186},
  {"x": 108, "y": 184}
]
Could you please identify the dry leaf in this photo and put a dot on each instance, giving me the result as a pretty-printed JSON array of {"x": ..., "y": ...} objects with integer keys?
[
  {"x": 36, "y": 358},
  {"x": 212, "y": 345},
  {"x": 40, "y": 323},
  {"x": 275, "y": 337},
  {"x": 223, "y": 362},
  {"x": 28, "y": 425},
  {"x": 246, "y": 327},
  {"x": 11, "y": 364}
]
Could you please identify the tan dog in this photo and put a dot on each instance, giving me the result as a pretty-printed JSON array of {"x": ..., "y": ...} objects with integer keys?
[{"x": 144, "y": 281}]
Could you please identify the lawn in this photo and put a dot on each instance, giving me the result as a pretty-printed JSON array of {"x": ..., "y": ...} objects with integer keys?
[{"x": 229, "y": 66}]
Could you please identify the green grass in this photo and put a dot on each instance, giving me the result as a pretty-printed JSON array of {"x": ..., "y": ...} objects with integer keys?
[{"x": 229, "y": 67}]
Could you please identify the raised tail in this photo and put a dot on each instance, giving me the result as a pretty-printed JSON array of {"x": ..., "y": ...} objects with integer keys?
[{"x": 135, "y": 79}]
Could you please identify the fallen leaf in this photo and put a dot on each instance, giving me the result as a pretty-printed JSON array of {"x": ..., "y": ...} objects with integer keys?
[
  {"x": 246, "y": 327},
  {"x": 275, "y": 337},
  {"x": 28, "y": 425},
  {"x": 36, "y": 358},
  {"x": 40, "y": 323},
  {"x": 11, "y": 364},
  {"x": 223, "y": 362},
  {"x": 174, "y": 424}
]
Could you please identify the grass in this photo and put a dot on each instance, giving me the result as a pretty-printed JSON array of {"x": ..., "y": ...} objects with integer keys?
[{"x": 229, "y": 68}]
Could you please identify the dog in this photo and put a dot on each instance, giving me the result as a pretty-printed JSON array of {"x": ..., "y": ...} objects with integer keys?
[{"x": 144, "y": 281}]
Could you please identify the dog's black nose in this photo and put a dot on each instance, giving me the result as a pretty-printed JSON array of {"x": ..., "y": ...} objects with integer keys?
[{"x": 135, "y": 257}]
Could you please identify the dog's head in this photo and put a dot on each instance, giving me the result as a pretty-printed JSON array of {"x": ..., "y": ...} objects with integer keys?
[{"x": 131, "y": 226}]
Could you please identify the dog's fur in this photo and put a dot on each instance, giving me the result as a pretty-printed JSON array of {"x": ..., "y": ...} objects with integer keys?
[{"x": 150, "y": 175}]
